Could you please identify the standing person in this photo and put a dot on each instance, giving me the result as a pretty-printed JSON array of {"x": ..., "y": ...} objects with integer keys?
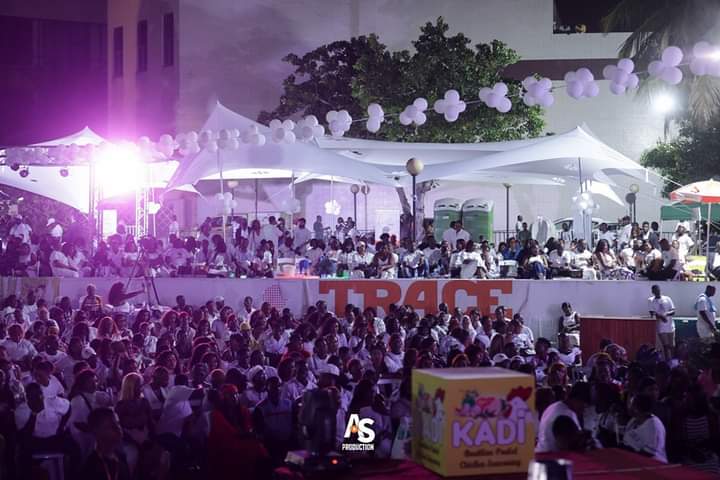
[
  {"x": 270, "y": 231},
  {"x": 21, "y": 230},
  {"x": 318, "y": 228},
  {"x": 625, "y": 232},
  {"x": 518, "y": 225},
  {"x": 566, "y": 234},
  {"x": 706, "y": 311},
  {"x": 455, "y": 233},
  {"x": 301, "y": 235},
  {"x": 524, "y": 234},
  {"x": 174, "y": 227},
  {"x": 685, "y": 242},
  {"x": 661, "y": 308}
]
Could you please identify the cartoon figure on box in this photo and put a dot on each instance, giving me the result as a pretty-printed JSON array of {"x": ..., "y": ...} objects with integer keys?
[
  {"x": 513, "y": 406},
  {"x": 433, "y": 413}
]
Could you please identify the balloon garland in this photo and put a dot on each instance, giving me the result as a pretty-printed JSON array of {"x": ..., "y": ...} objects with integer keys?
[{"x": 702, "y": 60}]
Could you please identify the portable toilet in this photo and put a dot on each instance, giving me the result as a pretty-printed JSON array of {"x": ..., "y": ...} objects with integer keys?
[
  {"x": 477, "y": 218},
  {"x": 445, "y": 211}
]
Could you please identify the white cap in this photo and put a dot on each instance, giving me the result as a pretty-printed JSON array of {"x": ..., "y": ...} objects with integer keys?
[
  {"x": 50, "y": 220},
  {"x": 329, "y": 369},
  {"x": 87, "y": 352},
  {"x": 519, "y": 358},
  {"x": 219, "y": 299},
  {"x": 499, "y": 358}
]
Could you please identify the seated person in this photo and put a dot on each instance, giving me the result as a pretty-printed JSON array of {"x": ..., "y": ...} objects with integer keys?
[{"x": 560, "y": 261}]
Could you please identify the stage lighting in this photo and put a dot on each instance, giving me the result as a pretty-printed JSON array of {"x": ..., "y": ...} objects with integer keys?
[
  {"x": 15, "y": 167},
  {"x": 64, "y": 172},
  {"x": 24, "y": 172}
]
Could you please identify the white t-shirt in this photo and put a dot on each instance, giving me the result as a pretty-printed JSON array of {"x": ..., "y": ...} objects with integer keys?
[
  {"x": 59, "y": 256},
  {"x": 646, "y": 437},
  {"x": 53, "y": 389},
  {"x": 301, "y": 236},
  {"x": 270, "y": 232},
  {"x": 685, "y": 243},
  {"x": 705, "y": 304},
  {"x": 47, "y": 421},
  {"x": 562, "y": 260},
  {"x": 452, "y": 236},
  {"x": 582, "y": 259},
  {"x": 23, "y": 231},
  {"x": 662, "y": 305},
  {"x": 178, "y": 257},
  {"x": 18, "y": 351},
  {"x": 546, "y": 440},
  {"x": 176, "y": 409}
]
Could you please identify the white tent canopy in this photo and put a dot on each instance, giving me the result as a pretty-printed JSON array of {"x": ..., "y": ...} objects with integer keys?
[
  {"x": 299, "y": 158},
  {"x": 74, "y": 190}
]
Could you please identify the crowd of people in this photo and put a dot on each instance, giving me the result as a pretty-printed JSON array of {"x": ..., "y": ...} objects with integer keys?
[
  {"x": 206, "y": 391},
  {"x": 258, "y": 250}
]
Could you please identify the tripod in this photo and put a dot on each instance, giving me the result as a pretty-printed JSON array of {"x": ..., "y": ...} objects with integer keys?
[{"x": 147, "y": 279}]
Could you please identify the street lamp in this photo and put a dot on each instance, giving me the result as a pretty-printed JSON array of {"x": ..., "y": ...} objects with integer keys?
[
  {"x": 414, "y": 167},
  {"x": 355, "y": 188},
  {"x": 631, "y": 198},
  {"x": 365, "y": 189}
]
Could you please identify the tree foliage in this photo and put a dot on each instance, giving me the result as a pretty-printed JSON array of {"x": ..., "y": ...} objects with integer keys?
[
  {"x": 352, "y": 74},
  {"x": 692, "y": 156},
  {"x": 657, "y": 24}
]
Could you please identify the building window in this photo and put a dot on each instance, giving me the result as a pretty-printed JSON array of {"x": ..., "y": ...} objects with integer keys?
[
  {"x": 118, "y": 52},
  {"x": 168, "y": 40},
  {"x": 142, "y": 46}
]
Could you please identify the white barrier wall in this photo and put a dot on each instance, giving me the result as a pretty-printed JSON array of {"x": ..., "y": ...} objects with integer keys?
[{"x": 538, "y": 301}]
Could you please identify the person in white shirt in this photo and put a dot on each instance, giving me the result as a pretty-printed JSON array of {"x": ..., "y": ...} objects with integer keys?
[
  {"x": 61, "y": 264},
  {"x": 661, "y": 308},
  {"x": 301, "y": 235},
  {"x": 46, "y": 413},
  {"x": 16, "y": 346},
  {"x": 270, "y": 231},
  {"x": 625, "y": 232},
  {"x": 412, "y": 261},
  {"x": 42, "y": 375},
  {"x": 21, "y": 230},
  {"x": 560, "y": 261},
  {"x": 582, "y": 258},
  {"x": 566, "y": 235},
  {"x": 605, "y": 234},
  {"x": 685, "y": 242},
  {"x": 177, "y": 256},
  {"x": 645, "y": 433},
  {"x": 706, "y": 311},
  {"x": 455, "y": 233},
  {"x": 174, "y": 226},
  {"x": 54, "y": 229},
  {"x": 578, "y": 399},
  {"x": 713, "y": 263}
]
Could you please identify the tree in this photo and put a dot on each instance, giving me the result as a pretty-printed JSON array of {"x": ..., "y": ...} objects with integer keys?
[
  {"x": 657, "y": 24},
  {"x": 352, "y": 74},
  {"x": 694, "y": 155}
]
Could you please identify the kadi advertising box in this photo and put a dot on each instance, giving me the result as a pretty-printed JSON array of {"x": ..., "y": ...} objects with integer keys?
[{"x": 473, "y": 421}]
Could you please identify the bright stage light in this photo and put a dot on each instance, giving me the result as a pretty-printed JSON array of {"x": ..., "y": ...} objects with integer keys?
[
  {"x": 119, "y": 169},
  {"x": 663, "y": 103}
]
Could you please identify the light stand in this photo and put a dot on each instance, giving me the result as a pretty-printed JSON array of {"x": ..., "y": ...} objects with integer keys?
[
  {"x": 414, "y": 167},
  {"x": 365, "y": 189},
  {"x": 507, "y": 210},
  {"x": 354, "y": 188}
]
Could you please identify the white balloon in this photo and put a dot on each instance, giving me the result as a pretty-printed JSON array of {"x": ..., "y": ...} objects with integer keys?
[
  {"x": 224, "y": 134},
  {"x": 461, "y": 106},
  {"x": 219, "y": 196},
  {"x": 633, "y": 81},
  {"x": 193, "y": 148},
  {"x": 375, "y": 110},
  {"x": 591, "y": 89},
  {"x": 275, "y": 123},
  {"x": 289, "y": 136},
  {"x": 504, "y": 105},
  {"x": 626, "y": 64},
  {"x": 483, "y": 94},
  {"x": 672, "y": 56},
  {"x": 330, "y": 116},
  {"x": 144, "y": 142},
  {"x": 620, "y": 76},
  {"x": 584, "y": 75},
  {"x": 318, "y": 131},
  {"x": 655, "y": 68},
  {"x": 258, "y": 139},
  {"x": 311, "y": 120},
  {"x": 500, "y": 88},
  {"x": 545, "y": 83},
  {"x": 453, "y": 95},
  {"x": 228, "y": 196},
  {"x": 547, "y": 100},
  {"x": 288, "y": 124},
  {"x": 575, "y": 89},
  {"x": 405, "y": 119},
  {"x": 166, "y": 139},
  {"x": 617, "y": 89},
  {"x": 278, "y": 135},
  {"x": 420, "y": 118},
  {"x": 529, "y": 100},
  {"x": 440, "y": 105},
  {"x": 212, "y": 146},
  {"x": 372, "y": 125},
  {"x": 411, "y": 111},
  {"x": 493, "y": 100},
  {"x": 672, "y": 75},
  {"x": 421, "y": 104},
  {"x": 451, "y": 116},
  {"x": 569, "y": 77},
  {"x": 233, "y": 144},
  {"x": 529, "y": 81},
  {"x": 702, "y": 49},
  {"x": 192, "y": 136},
  {"x": 344, "y": 115}
]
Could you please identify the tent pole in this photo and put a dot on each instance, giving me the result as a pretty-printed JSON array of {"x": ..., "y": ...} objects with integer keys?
[
  {"x": 707, "y": 240},
  {"x": 292, "y": 195},
  {"x": 257, "y": 186},
  {"x": 222, "y": 192}
]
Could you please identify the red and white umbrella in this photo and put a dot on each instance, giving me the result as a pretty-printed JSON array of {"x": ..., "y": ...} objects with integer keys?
[{"x": 707, "y": 192}]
